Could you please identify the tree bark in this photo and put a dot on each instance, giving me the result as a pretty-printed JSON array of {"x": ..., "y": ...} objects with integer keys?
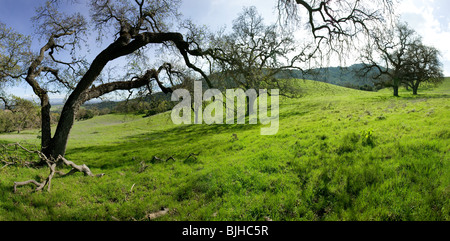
[
  {"x": 415, "y": 89},
  {"x": 117, "y": 49},
  {"x": 396, "y": 91},
  {"x": 250, "y": 102},
  {"x": 46, "y": 135}
]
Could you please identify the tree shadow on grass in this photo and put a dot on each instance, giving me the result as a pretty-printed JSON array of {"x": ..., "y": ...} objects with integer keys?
[
  {"x": 426, "y": 96},
  {"x": 409, "y": 97},
  {"x": 178, "y": 142}
]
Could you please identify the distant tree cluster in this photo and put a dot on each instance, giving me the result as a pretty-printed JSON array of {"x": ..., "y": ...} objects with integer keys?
[
  {"x": 401, "y": 59},
  {"x": 132, "y": 106},
  {"x": 149, "y": 105},
  {"x": 18, "y": 114},
  {"x": 84, "y": 114}
]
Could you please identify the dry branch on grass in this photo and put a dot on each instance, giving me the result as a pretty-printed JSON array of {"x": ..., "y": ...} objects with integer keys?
[
  {"x": 158, "y": 214},
  {"x": 157, "y": 159},
  {"x": 149, "y": 216},
  {"x": 51, "y": 163}
]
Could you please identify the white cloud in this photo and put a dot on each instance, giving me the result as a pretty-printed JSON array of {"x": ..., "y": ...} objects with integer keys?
[{"x": 423, "y": 16}]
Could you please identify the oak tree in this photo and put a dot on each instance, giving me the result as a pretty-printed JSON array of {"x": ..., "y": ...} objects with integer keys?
[
  {"x": 422, "y": 66},
  {"x": 59, "y": 63},
  {"x": 386, "y": 52},
  {"x": 336, "y": 26}
]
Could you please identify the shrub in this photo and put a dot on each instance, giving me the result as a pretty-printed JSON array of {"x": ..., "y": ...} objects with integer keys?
[{"x": 367, "y": 138}]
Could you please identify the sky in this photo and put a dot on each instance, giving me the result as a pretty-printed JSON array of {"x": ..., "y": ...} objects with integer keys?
[{"x": 429, "y": 18}]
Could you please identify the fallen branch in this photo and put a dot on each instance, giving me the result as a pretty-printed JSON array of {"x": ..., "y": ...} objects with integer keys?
[
  {"x": 51, "y": 163},
  {"x": 18, "y": 145},
  {"x": 158, "y": 214},
  {"x": 39, "y": 185},
  {"x": 155, "y": 158},
  {"x": 9, "y": 159},
  {"x": 143, "y": 167},
  {"x": 7, "y": 164},
  {"x": 77, "y": 168},
  {"x": 149, "y": 216},
  {"x": 162, "y": 160}
]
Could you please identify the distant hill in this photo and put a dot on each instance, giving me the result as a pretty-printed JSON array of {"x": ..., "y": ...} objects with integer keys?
[
  {"x": 342, "y": 76},
  {"x": 349, "y": 77}
]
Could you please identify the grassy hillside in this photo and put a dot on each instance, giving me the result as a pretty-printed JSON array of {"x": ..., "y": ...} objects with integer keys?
[
  {"x": 341, "y": 76},
  {"x": 340, "y": 154}
]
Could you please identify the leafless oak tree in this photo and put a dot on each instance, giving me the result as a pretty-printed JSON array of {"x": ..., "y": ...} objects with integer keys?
[
  {"x": 336, "y": 25},
  {"x": 422, "y": 65},
  {"x": 387, "y": 53},
  {"x": 255, "y": 55}
]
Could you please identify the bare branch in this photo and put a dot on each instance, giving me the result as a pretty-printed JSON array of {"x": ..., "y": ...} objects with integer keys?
[{"x": 52, "y": 166}]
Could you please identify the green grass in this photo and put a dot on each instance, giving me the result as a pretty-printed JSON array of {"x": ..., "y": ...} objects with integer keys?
[{"x": 322, "y": 165}]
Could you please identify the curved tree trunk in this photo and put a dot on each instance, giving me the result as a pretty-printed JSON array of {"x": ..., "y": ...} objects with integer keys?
[
  {"x": 124, "y": 45},
  {"x": 59, "y": 140},
  {"x": 67, "y": 118}
]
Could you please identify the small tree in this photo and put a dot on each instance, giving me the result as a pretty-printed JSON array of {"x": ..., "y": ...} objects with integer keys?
[
  {"x": 26, "y": 114},
  {"x": 255, "y": 55},
  {"x": 20, "y": 113},
  {"x": 386, "y": 52}
]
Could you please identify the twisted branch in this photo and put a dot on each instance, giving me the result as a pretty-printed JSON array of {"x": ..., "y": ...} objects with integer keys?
[
  {"x": 51, "y": 163},
  {"x": 155, "y": 158}
]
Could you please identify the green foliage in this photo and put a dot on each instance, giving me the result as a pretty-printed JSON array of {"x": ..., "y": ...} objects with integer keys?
[
  {"x": 368, "y": 138},
  {"x": 348, "y": 143},
  {"x": 23, "y": 114},
  {"x": 132, "y": 107},
  {"x": 6, "y": 121},
  {"x": 85, "y": 114},
  {"x": 159, "y": 106}
]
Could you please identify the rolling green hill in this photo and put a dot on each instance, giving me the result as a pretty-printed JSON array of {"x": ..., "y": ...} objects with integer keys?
[
  {"x": 341, "y": 76},
  {"x": 349, "y": 77},
  {"x": 340, "y": 154}
]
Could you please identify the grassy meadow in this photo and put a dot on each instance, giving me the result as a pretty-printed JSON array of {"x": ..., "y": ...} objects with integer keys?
[{"x": 339, "y": 154}]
